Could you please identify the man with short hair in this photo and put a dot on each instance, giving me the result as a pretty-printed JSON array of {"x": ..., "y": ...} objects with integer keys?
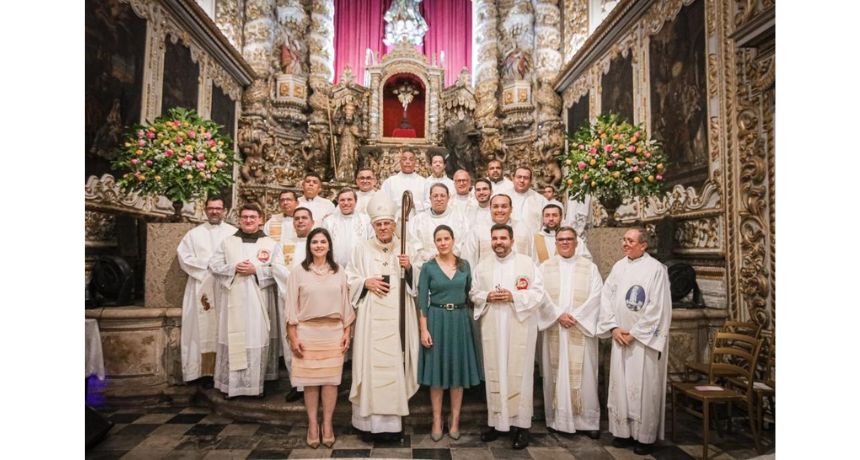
[
  {"x": 200, "y": 303},
  {"x": 477, "y": 245},
  {"x": 422, "y": 227},
  {"x": 527, "y": 204},
  {"x": 280, "y": 226},
  {"x": 437, "y": 176},
  {"x": 507, "y": 292},
  {"x": 347, "y": 227},
  {"x": 550, "y": 193},
  {"x": 365, "y": 182},
  {"x": 479, "y": 214},
  {"x": 463, "y": 198},
  {"x": 501, "y": 184},
  {"x": 544, "y": 240},
  {"x": 383, "y": 377},
  {"x": 569, "y": 346},
  {"x": 406, "y": 179},
  {"x": 242, "y": 265},
  {"x": 320, "y": 207},
  {"x": 289, "y": 255},
  {"x": 636, "y": 311}
]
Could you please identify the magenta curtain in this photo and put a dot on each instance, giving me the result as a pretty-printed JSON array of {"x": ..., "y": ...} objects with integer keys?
[
  {"x": 449, "y": 29},
  {"x": 359, "y": 24}
]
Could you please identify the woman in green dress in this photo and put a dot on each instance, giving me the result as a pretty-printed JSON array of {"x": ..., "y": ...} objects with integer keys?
[{"x": 448, "y": 360}]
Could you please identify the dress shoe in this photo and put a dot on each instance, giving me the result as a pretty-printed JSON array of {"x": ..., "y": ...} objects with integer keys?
[
  {"x": 521, "y": 439},
  {"x": 643, "y": 449},
  {"x": 367, "y": 437},
  {"x": 436, "y": 437},
  {"x": 293, "y": 395},
  {"x": 490, "y": 435},
  {"x": 593, "y": 434},
  {"x": 313, "y": 443},
  {"x": 623, "y": 442},
  {"x": 455, "y": 435}
]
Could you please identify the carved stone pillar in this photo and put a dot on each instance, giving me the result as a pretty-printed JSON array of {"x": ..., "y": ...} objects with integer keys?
[
  {"x": 229, "y": 16},
  {"x": 751, "y": 222},
  {"x": 487, "y": 67},
  {"x": 575, "y": 28}
]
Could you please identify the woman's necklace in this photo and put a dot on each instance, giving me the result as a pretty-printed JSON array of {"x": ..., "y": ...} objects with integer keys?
[{"x": 320, "y": 269}]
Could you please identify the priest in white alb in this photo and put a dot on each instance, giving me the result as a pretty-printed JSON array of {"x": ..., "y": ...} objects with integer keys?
[
  {"x": 199, "y": 304},
  {"x": 365, "y": 183},
  {"x": 544, "y": 240},
  {"x": 406, "y": 179},
  {"x": 280, "y": 226},
  {"x": 526, "y": 204},
  {"x": 422, "y": 226},
  {"x": 636, "y": 311},
  {"x": 384, "y": 377},
  {"x": 347, "y": 227},
  {"x": 320, "y": 207},
  {"x": 477, "y": 244},
  {"x": 507, "y": 293},
  {"x": 495, "y": 174},
  {"x": 462, "y": 197},
  {"x": 437, "y": 176},
  {"x": 242, "y": 265},
  {"x": 569, "y": 347}
]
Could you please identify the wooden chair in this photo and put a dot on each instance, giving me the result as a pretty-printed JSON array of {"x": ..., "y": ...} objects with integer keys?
[
  {"x": 732, "y": 356},
  {"x": 764, "y": 385},
  {"x": 738, "y": 327}
]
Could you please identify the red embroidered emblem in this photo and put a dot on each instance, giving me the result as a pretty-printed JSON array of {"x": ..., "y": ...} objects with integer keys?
[
  {"x": 522, "y": 283},
  {"x": 263, "y": 255}
]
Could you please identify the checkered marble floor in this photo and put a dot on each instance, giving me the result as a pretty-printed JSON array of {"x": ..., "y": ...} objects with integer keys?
[{"x": 197, "y": 432}]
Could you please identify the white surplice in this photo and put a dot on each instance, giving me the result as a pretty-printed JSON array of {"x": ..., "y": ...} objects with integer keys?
[
  {"x": 636, "y": 297},
  {"x": 461, "y": 203},
  {"x": 547, "y": 238},
  {"x": 347, "y": 231},
  {"x": 362, "y": 198},
  {"x": 562, "y": 412},
  {"x": 320, "y": 208},
  {"x": 420, "y": 234},
  {"x": 199, "y": 321},
  {"x": 243, "y": 321},
  {"x": 527, "y": 207},
  {"x": 383, "y": 378},
  {"x": 394, "y": 186},
  {"x": 503, "y": 186},
  {"x": 508, "y": 335},
  {"x": 477, "y": 245}
]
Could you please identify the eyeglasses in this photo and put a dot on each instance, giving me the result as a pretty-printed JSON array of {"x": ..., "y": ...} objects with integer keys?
[
  {"x": 249, "y": 217},
  {"x": 564, "y": 240}
]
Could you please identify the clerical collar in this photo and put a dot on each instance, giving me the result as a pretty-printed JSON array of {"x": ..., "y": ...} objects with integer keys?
[
  {"x": 249, "y": 237},
  {"x": 285, "y": 216},
  {"x": 548, "y": 231}
]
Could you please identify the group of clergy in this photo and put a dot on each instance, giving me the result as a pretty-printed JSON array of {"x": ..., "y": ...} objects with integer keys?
[{"x": 532, "y": 276}]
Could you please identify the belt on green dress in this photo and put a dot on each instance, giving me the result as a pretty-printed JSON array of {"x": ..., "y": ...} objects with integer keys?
[{"x": 447, "y": 306}]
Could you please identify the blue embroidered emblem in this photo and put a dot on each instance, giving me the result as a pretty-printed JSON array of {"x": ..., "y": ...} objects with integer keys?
[{"x": 635, "y": 297}]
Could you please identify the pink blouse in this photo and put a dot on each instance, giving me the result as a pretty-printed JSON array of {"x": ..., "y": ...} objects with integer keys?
[{"x": 311, "y": 296}]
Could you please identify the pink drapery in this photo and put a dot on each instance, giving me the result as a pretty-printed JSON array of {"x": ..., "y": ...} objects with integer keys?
[
  {"x": 449, "y": 29},
  {"x": 359, "y": 25}
]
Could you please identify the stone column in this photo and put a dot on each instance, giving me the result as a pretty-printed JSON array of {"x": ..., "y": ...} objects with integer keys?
[
  {"x": 229, "y": 16},
  {"x": 575, "y": 29}
]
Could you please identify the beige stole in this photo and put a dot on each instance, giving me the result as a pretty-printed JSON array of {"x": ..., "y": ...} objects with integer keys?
[
  {"x": 236, "y": 327},
  {"x": 275, "y": 230},
  {"x": 289, "y": 250},
  {"x": 575, "y": 339},
  {"x": 540, "y": 248},
  {"x": 516, "y": 339}
]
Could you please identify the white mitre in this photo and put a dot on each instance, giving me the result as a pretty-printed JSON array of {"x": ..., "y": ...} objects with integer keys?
[{"x": 380, "y": 207}]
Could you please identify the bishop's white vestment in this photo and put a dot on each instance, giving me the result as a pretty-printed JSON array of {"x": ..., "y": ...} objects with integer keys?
[
  {"x": 569, "y": 355},
  {"x": 508, "y": 335},
  {"x": 383, "y": 378},
  {"x": 636, "y": 297},
  {"x": 243, "y": 323},
  {"x": 347, "y": 231},
  {"x": 199, "y": 315}
]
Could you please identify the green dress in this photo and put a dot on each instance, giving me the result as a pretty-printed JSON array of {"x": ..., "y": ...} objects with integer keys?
[{"x": 452, "y": 361}]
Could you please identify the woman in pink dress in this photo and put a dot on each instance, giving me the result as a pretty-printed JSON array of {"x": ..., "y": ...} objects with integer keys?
[{"x": 319, "y": 318}]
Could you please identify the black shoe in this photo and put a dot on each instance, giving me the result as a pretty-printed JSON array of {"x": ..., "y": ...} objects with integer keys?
[
  {"x": 594, "y": 434},
  {"x": 623, "y": 442},
  {"x": 206, "y": 383},
  {"x": 293, "y": 395},
  {"x": 490, "y": 435},
  {"x": 643, "y": 449},
  {"x": 367, "y": 437},
  {"x": 521, "y": 439}
]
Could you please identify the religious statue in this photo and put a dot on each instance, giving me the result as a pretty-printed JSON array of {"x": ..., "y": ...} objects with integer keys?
[
  {"x": 403, "y": 23},
  {"x": 290, "y": 62},
  {"x": 348, "y": 129},
  {"x": 460, "y": 138},
  {"x": 405, "y": 94},
  {"x": 547, "y": 148},
  {"x": 517, "y": 65}
]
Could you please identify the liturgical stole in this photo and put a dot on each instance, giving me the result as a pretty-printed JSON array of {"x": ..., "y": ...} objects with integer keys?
[
  {"x": 236, "y": 327},
  {"x": 573, "y": 336},
  {"x": 517, "y": 335},
  {"x": 540, "y": 248}
]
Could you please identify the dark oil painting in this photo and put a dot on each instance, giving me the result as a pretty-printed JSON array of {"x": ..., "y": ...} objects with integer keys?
[{"x": 617, "y": 88}]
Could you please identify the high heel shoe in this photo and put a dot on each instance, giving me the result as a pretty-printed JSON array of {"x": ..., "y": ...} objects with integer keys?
[
  {"x": 328, "y": 442},
  {"x": 455, "y": 435},
  {"x": 436, "y": 436},
  {"x": 313, "y": 443}
]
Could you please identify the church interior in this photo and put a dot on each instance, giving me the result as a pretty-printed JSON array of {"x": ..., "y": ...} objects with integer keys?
[{"x": 327, "y": 86}]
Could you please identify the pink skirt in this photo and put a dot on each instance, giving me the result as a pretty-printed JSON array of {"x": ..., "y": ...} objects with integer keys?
[{"x": 322, "y": 363}]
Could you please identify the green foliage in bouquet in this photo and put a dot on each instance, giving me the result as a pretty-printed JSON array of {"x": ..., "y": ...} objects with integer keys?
[
  {"x": 180, "y": 156},
  {"x": 613, "y": 160}
]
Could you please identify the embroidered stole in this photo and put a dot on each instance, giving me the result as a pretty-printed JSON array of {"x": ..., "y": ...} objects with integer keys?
[
  {"x": 236, "y": 313},
  {"x": 516, "y": 340},
  {"x": 540, "y": 248},
  {"x": 555, "y": 335}
]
